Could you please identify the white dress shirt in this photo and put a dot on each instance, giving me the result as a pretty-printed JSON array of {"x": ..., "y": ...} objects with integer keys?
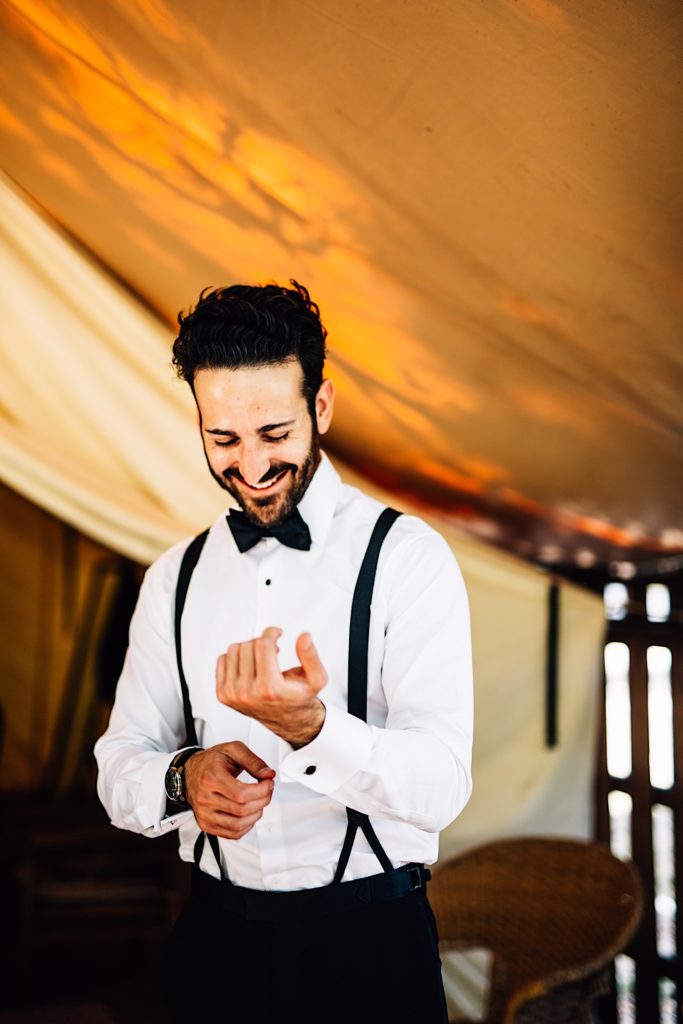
[{"x": 408, "y": 767}]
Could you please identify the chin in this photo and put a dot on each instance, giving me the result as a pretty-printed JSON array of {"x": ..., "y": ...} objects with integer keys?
[{"x": 267, "y": 510}]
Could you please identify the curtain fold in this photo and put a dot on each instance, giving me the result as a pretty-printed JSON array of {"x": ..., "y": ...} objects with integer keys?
[{"x": 94, "y": 427}]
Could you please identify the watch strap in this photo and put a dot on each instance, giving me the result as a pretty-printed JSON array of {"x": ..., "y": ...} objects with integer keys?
[
  {"x": 184, "y": 755},
  {"x": 176, "y": 768}
]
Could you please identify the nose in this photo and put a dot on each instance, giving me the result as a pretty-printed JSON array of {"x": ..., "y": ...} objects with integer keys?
[{"x": 253, "y": 462}]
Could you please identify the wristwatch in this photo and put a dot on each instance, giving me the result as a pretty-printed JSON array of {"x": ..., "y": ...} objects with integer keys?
[{"x": 175, "y": 776}]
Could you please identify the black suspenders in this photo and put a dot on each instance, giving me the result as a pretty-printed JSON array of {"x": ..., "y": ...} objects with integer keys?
[
  {"x": 357, "y": 703},
  {"x": 359, "y": 633},
  {"x": 190, "y": 559},
  {"x": 187, "y": 566}
]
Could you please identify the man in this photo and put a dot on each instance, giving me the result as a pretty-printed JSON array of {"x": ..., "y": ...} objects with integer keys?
[{"x": 326, "y": 800}]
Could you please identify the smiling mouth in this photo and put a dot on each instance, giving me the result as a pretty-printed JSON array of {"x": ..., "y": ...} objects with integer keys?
[{"x": 267, "y": 484}]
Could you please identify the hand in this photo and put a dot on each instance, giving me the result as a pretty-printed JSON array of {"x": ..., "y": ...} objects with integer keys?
[
  {"x": 248, "y": 679},
  {"x": 222, "y": 805}
]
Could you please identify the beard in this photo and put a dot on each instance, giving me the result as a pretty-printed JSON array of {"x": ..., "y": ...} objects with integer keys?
[{"x": 273, "y": 509}]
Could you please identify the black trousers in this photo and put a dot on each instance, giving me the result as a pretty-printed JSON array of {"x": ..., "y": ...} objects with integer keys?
[{"x": 378, "y": 962}]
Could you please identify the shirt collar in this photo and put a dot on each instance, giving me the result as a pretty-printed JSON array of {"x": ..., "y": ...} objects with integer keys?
[{"x": 320, "y": 500}]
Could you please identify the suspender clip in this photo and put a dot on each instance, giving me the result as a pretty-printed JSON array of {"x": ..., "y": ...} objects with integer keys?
[{"x": 415, "y": 874}]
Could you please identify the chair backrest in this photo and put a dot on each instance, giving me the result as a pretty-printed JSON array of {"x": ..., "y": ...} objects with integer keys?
[{"x": 551, "y": 910}]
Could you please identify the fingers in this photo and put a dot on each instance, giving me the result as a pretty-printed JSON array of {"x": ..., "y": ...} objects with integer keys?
[
  {"x": 313, "y": 667},
  {"x": 229, "y": 824},
  {"x": 228, "y": 827},
  {"x": 243, "y": 803},
  {"x": 272, "y": 633},
  {"x": 232, "y": 816},
  {"x": 249, "y": 680},
  {"x": 267, "y": 670},
  {"x": 245, "y": 759},
  {"x": 215, "y": 771},
  {"x": 247, "y": 663},
  {"x": 226, "y": 673},
  {"x": 222, "y": 804}
]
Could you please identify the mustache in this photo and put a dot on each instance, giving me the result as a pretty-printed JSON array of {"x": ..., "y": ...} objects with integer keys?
[{"x": 275, "y": 470}]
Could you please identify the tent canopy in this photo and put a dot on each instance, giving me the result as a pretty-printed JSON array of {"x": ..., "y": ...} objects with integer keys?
[
  {"x": 484, "y": 199},
  {"x": 463, "y": 191}
]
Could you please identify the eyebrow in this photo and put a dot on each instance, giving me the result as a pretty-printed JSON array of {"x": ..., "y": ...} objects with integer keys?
[{"x": 269, "y": 427}]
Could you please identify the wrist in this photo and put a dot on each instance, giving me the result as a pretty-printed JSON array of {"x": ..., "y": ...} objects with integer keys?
[
  {"x": 175, "y": 779},
  {"x": 190, "y": 775},
  {"x": 309, "y": 729}
]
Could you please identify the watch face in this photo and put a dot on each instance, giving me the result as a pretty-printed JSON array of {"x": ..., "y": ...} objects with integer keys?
[{"x": 174, "y": 784}]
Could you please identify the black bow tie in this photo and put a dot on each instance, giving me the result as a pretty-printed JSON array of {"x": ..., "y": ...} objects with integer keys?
[{"x": 293, "y": 532}]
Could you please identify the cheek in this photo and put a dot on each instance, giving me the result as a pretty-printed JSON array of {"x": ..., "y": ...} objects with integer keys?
[
  {"x": 219, "y": 459},
  {"x": 294, "y": 452}
]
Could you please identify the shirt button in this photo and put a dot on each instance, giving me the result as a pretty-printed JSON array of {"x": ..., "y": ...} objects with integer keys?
[
  {"x": 309, "y": 769},
  {"x": 276, "y": 881},
  {"x": 267, "y": 583}
]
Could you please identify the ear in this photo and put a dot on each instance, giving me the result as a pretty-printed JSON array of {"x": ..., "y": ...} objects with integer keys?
[{"x": 324, "y": 406}]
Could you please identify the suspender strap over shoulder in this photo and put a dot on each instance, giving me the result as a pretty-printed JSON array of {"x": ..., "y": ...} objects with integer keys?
[
  {"x": 187, "y": 567},
  {"x": 359, "y": 631},
  {"x": 190, "y": 559},
  {"x": 359, "y": 636}
]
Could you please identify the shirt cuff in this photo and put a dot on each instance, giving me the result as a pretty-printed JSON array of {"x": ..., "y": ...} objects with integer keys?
[
  {"x": 174, "y": 821},
  {"x": 151, "y": 814},
  {"x": 341, "y": 748}
]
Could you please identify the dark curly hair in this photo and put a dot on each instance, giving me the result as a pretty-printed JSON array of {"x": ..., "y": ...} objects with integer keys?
[{"x": 252, "y": 325}]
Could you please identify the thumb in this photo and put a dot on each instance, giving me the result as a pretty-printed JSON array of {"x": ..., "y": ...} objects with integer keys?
[
  {"x": 310, "y": 661},
  {"x": 258, "y": 768},
  {"x": 240, "y": 754}
]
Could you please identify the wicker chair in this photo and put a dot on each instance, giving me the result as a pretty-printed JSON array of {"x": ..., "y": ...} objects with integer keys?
[{"x": 553, "y": 912}]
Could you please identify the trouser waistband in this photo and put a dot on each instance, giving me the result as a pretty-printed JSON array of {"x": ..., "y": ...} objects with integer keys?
[{"x": 341, "y": 897}]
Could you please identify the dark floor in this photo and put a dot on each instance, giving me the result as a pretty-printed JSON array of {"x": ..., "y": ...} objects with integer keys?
[{"x": 85, "y": 909}]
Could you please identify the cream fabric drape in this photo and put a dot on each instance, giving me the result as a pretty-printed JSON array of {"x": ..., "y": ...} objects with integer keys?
[
  {"x": 484, "y": 198},
  {"x": 96, "y": 429}
]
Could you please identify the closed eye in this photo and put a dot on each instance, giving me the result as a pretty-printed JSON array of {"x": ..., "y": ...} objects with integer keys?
[
  {"x": 274, "y": 440},
  {"x": 226, "y": 444}
]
